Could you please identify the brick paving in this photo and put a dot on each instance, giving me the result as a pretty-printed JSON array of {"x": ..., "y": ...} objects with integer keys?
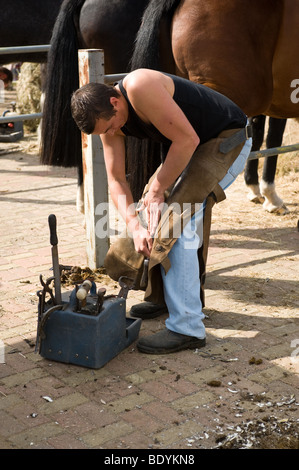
[{"x": 188, "y": 400}]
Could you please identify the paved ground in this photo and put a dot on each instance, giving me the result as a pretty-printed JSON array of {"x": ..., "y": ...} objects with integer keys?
[{"x": 242, "y": 390}]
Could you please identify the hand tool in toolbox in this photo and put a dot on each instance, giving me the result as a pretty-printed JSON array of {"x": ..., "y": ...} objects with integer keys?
[{"x": 84, "y": 326}]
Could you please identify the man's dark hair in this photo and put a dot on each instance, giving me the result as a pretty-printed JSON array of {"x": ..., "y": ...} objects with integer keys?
[
  {"x": 8, "y": 73},
  {"x": 92, "y": 102}
]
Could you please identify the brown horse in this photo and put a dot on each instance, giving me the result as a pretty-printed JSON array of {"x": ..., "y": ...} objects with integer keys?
[
  {"x": 248, "y": 50},
  {"x": 254, "y": 46}
]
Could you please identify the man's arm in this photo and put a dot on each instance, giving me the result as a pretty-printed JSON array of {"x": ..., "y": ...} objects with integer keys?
[
  {"x": 150, "y": 94},
  {"x": 114, "y": 154}
]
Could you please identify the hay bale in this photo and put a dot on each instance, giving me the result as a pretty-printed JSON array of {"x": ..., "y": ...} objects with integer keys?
[{"x": 29, "y": 93}]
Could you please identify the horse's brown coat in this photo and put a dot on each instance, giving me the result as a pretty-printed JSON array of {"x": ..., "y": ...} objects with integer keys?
[{"x": 248, "y": 50}]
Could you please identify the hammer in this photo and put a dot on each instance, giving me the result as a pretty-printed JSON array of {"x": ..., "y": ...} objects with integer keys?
[
  {"x": 55, "y": 261},
  {"x": 83, "y": 291}
]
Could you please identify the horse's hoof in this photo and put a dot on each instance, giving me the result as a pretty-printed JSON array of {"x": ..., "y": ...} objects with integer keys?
[
  {"x": 254, "y": 194},
  {"x": 281, "y": 210},
  {"x": 255, "y": 198}
]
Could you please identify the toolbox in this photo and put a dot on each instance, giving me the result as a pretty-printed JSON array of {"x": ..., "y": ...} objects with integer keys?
[{"x": 84, "y": 326}]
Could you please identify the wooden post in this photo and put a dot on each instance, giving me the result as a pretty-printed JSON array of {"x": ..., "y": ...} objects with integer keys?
[{"x": 91, "y": 69}]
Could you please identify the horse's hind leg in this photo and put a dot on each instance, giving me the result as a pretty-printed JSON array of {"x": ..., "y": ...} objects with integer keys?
[
  {"x": 273, "y": 203},
  {"x": 251, "y": 169}
]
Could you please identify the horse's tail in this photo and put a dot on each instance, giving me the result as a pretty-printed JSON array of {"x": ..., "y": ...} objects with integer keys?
[
  {"x": 146, "y": 55},
  {"x": 60, "y": 137},
  {"x": 146, "y": 52}
]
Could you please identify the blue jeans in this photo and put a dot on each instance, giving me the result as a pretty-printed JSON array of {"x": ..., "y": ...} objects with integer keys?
[{"x": 182, "y": 283}]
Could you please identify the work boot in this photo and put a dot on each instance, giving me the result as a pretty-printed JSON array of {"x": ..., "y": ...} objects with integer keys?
[
  {"x": 167, "y": 341},
  {"x": 147, "y": 310}
]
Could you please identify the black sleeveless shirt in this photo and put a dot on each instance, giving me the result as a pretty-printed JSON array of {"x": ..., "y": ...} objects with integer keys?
[{"x": 208, "y": 111}]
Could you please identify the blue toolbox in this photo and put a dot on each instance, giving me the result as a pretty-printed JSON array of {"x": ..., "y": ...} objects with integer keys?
[{"x": 84, "y": 326}]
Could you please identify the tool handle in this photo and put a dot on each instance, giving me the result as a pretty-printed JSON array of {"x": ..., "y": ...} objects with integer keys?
[
  {"x": 52, "y": 226},
  {"x": 83, "y": 290},
  {"x": 144, "y": 277}
]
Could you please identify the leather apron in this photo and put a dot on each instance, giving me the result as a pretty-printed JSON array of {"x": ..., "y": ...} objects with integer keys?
[{"x": 197, "y": 183}]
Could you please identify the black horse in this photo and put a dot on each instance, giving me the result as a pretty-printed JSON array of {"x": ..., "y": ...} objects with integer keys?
[
  {"x": 111, "y": 25},
  {"x": 27, "y": 23},
  {"x": 264, "y": 191}
]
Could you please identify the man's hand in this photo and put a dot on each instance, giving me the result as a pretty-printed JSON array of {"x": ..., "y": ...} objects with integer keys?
[
  {"x": 143, "y": 242},
  {"x": 153, "y": 205}
]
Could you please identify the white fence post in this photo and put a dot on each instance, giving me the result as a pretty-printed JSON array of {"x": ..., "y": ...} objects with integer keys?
[{"x": 91, "y": 69}]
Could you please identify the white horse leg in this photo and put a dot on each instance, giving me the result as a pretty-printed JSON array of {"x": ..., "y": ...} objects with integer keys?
[
  {"x": 254, "y": 194},
  {"x": 273, "y": 203},
  {"x": 251, "y": 169}
]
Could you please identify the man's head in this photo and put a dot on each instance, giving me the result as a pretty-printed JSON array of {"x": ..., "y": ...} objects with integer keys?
[
  {"x": 92, "y": 102},
  {"x": 6, "y": 76}
]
